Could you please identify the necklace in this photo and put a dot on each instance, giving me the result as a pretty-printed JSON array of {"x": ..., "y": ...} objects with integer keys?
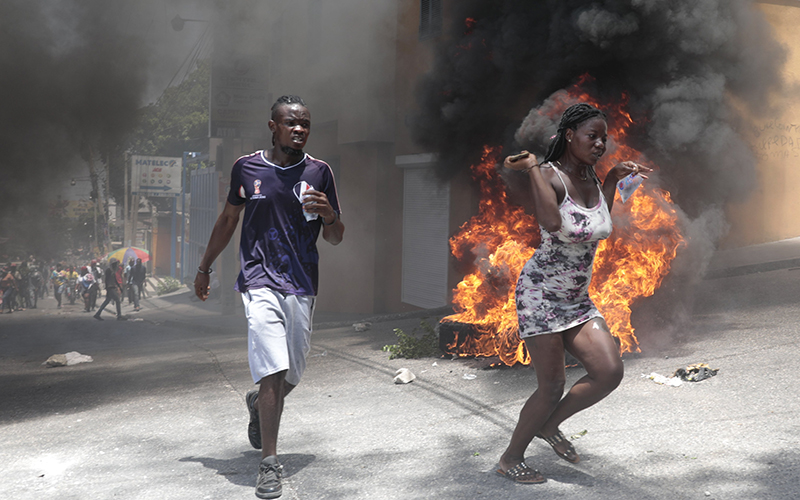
[{"x": 583, "y": 176}]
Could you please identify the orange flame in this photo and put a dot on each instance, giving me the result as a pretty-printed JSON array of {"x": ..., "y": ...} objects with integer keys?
[{"x": 630, "y": 264}]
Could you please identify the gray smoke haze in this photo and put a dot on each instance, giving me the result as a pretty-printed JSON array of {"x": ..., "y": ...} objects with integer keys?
[
  {"x": 682, "y": 64},
  {"x": 678, "y": 61},
  {"x": 73, "y": 73},
  {"x": 68, "y": 79}
]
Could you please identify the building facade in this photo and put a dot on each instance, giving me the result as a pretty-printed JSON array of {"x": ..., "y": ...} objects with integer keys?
[{"x": 356, "y": 63}]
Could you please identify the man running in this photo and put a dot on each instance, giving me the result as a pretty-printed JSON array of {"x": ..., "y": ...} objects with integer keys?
[
  {"x": 287, "y": 197},
  {"x": 59, "y": 279},
  {"x": 113, "y": 280},
  {"x": 138, "y": 275}
]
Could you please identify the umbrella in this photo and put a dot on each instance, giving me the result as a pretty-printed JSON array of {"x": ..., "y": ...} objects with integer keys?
[{"x": 127, "y": 253}]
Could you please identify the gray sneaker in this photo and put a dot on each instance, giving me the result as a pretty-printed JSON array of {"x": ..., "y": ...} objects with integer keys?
[
  {"x": 254, "y": 427},
  {"x": 268, "y": 484}
]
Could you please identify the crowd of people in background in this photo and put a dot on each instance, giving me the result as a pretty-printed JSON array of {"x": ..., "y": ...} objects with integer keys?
[
  {"x": 21, "y": 286},
  {"x": 24, "y": 283}
]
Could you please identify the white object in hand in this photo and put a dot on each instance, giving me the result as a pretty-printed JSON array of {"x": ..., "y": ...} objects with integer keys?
[
  {"x": 628, "y": 185},
  {"x": 304, "y": 186}
]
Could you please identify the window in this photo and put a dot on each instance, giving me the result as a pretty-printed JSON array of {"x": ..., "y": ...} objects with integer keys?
[{"x": 430, "y": 19}]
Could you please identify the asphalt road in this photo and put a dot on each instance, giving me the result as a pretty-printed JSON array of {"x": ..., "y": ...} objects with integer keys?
[{"x": 159, "y": 413}]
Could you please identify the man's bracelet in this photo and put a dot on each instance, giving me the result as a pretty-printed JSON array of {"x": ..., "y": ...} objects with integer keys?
[
  {"x": 204, "y": 272},
  {"x": 335, "y": 216}
]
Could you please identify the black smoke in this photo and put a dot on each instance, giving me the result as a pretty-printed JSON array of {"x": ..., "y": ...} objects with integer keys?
[
  {"x": 694, "y": 72},
  {"x": 681, "y": 62},
  {"x": 71, "y": 82}
]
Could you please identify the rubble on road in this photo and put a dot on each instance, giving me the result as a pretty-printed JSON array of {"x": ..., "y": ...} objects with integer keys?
[
  {"x": 661, "y": 379},
  {"x": 404, "y": 376},
  {"x": 691, "y": 373},
  {"x": 68, "y": 359},
  {"x": 362, "y": 327},
  {"x": 695, "y": 372}
]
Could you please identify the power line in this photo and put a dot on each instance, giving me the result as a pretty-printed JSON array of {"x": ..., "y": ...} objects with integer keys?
[{"x": 183, "y": 66}]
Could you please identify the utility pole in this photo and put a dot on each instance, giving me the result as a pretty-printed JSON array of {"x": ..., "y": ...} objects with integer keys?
[
  {"x": 93, "y": 196},
  {"x": 126, "y": 227},
  {"x": 96, "y": 186},
  {"x": 107, "y": 230},
  {"x": 134, "y": 218},
  {"x": 188, "y": 158}
]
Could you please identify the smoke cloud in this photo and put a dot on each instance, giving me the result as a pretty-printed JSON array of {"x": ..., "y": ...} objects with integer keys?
[
  {"x": 679, "y": 62},
  {"x": 68, "y": 79},
  {"x": 691, "y": 69}
]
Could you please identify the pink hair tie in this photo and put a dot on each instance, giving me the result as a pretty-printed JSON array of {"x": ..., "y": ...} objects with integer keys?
[{"x": 553, "y": 136}]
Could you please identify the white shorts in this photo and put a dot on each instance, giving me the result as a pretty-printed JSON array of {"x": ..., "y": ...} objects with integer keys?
[{"x": 278, "y": 333}]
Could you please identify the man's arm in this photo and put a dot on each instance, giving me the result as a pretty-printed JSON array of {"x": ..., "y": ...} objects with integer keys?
[
  {"x": 333, "y": 234},
  {"x": 316, "y": 202},
  {"x": 220, "y": 237}
]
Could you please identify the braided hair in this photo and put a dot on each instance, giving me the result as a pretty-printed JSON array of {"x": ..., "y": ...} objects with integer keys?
[
  {"x": 571, "y": 119},
  {"x": 286, "y": 100}
]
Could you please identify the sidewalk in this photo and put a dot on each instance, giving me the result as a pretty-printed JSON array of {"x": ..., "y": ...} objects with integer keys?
[{"x": 784, "y": 254}]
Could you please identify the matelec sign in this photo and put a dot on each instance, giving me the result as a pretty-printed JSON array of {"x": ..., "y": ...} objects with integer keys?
[{"x": 157, "y": 175}]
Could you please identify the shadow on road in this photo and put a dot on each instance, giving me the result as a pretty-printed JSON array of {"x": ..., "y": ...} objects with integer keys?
[{"x": 242, "y": 470}]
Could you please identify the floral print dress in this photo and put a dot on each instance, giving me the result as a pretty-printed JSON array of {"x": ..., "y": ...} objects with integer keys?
[{"x": 552, "y": 292}]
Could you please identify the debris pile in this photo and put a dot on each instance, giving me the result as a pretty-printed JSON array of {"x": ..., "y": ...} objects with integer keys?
[
  {"x": 68, "y": 359},
  {"x": 695, "y": 372},
  {"x": 404, "y": 376},
  {"x": 661, "y": 379},
  {"x": 691, "y": 373}
]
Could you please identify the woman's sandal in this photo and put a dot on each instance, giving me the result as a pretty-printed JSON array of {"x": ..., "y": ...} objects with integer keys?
[
  {"x": 522, "y": 474},
  {"x": 570, "y": 455}
]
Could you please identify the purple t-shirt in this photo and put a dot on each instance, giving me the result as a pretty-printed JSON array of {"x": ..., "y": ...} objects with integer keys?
[{"x": 278, "y": 249}]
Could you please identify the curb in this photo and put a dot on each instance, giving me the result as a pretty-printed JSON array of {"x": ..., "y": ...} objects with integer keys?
[{"x": 764, "y": 267}]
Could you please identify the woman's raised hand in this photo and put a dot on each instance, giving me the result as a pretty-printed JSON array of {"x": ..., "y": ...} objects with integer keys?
[
  {"x": 625, "y": 168},
  {"x": 522, "y": 161}
]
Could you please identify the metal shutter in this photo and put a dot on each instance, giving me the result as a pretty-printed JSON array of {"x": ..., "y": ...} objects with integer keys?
[
  {"x": 426, "y": 206},
  {"x": 202, "y": 217}
]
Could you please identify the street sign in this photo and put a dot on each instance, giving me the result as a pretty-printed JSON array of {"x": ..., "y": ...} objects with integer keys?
[
  {"x": 240, "y": 103},
  {"x": 156, "y": 175}
]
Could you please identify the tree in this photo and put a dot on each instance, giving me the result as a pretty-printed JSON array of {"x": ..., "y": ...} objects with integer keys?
[{"x": 178, "y": 121}]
